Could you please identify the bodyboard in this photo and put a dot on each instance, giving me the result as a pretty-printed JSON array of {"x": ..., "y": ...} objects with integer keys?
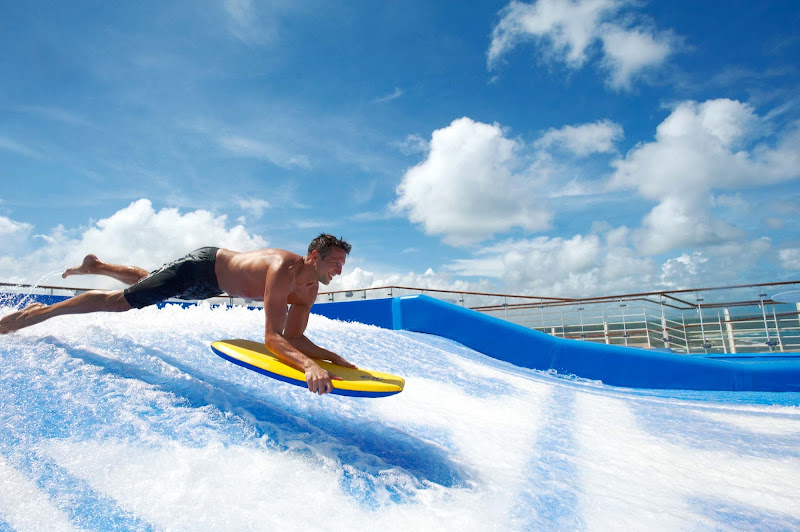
[{"x": 355, "y": 382}]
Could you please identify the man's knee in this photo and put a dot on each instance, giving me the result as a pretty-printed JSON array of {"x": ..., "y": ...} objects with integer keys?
[{"x": 117, "y": 302}]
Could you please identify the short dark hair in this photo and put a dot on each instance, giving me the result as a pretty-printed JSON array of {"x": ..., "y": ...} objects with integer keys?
[{"x": 324, "y": 242}]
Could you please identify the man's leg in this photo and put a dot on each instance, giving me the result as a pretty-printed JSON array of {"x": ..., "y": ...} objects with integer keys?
[
  {"x": 91, "y": 265},
  {"x": 91, "y": 301}
]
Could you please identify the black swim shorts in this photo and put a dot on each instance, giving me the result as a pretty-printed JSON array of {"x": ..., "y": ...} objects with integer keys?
[{"x": 190, "y": 277}]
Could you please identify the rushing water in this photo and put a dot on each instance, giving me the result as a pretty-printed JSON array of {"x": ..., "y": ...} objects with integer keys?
[{"x": 129, "y": 421}]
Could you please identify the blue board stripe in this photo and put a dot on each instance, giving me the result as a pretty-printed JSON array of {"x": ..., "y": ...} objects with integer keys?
[{"x": 302, "y": 384}]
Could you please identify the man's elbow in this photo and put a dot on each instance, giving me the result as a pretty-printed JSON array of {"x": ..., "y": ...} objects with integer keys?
[
  {"x": 273, "y": 341},
  {"x": 292, "y": 337}
]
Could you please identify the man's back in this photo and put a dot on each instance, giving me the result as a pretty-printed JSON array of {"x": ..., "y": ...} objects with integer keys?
[{"x": 244, "y": 274}]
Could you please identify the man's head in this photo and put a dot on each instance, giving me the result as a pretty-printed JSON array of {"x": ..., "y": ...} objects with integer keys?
[
  {"x": 324, "y": 243},
  {"x": 327, "y": 253}
]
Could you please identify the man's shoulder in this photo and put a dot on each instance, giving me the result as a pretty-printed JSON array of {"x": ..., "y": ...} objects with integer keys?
[
  {"x": 271, "y": 258},
  {"x": 286, "y": 259}
]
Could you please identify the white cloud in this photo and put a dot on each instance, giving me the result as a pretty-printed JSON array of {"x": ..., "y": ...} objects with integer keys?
[
  {"x": 683, "y": 221},
  {"x": 567, "y": 31},
  {"x": 683, "y": 266},
  {"x": 247, "y": 147},
  {"x": 715, "y": 265},
  {"x": 699, "y": 148},
  {"x": 582, "y": 265},
  {"x": 468, "y": 188},
  {"x": 361, "y": 278},
  {"x": 255, "y": 206},
  {"x": 790, "y": 258},
  {"x": 413, "y": 144},
  {"x": 10, "y": 228},
  {"x": 607, "y": 263},
  {"x": 628, "y": 52},
  {"x": 544, "y": 266},
  {"x": 584, "y": 139},
  {"x": 396, "y": 93},
  {"x": 13, "y": 233},
  {"x": 136, "y": 235}
]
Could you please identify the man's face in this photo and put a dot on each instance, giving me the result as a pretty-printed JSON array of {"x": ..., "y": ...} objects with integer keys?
[{"x": 331, "y": 266}]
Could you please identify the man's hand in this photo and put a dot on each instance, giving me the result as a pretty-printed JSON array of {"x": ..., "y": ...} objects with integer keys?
[{"x": 319, "y": 380}]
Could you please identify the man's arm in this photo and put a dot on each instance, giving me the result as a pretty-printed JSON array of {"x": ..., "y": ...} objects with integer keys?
[
  {"x": 279, "y": 285},
  {"x": 296, "y": 323}
]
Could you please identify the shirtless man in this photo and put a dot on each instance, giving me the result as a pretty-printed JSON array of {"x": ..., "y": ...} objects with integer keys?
[{"x": 280, "y": 277}]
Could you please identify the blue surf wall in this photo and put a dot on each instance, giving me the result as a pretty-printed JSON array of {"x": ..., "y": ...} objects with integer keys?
[{"x": 614, "y": 365}]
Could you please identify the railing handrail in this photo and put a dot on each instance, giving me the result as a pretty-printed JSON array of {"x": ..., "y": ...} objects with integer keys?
[
  {"x": 442, "y": 290},
  {"x": 594, "y": 299}
]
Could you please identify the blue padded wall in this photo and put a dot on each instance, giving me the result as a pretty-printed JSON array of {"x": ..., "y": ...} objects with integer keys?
[{"x": 615, "y": 365}]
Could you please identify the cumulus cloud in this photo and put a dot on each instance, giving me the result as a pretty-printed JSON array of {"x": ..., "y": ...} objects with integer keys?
[
  {"x": 683, "y": 221},
  {"x": 582, "y": 265},
  {"x": 12, "y": 233},
  {"x": 606, "y": 263},
  {"x": 583, "y": 139},
  {"x": 714, "y": 265},
  {"x": 430, "y": 279},
  {"x": 469, "y": 187},
  {"x": 136, "y": 235},
  {"x": 10, "y": 228},
  {"x": 568, "y": 31},
  {"x": 628, "y": 52},
  {"x": 699, "y": 148}
]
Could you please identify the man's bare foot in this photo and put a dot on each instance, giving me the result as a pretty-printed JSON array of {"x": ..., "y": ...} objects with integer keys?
[
  {"x": 22, "y": 318},
  {"x": 87, "y": 267}
]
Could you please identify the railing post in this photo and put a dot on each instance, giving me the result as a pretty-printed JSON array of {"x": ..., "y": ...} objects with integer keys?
[
  {"x": 729, "y": 328},
  {"x": 777, "y": 328},
  {"x": 770, "y": 343},
  {"x": 721, "y": 335},
  {"x": 664, "y": 330},
  {"x": 624, "y": 326},
  {"x": 706, "y": 345},
  {"x": 685, "y": 335}
]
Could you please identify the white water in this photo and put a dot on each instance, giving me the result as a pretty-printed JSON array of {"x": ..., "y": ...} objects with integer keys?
[{"x": 129, "y": 421}]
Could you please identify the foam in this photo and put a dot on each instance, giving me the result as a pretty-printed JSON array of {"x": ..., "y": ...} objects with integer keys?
[{"x": 130, "y": 418}]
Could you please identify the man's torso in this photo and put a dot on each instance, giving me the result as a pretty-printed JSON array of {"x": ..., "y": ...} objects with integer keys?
[{"x": 244, "y": 274}]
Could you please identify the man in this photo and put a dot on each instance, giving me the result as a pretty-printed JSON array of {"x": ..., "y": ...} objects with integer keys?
[{"x": 282, "y": 278}]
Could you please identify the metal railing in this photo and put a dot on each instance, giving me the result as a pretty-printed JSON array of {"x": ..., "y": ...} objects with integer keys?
[
  {"x": 14, "y": 290},
  {"x": 716, "y": 320}
]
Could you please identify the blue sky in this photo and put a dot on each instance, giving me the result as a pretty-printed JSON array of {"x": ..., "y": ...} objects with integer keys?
[{"x": 553, "y": 147}]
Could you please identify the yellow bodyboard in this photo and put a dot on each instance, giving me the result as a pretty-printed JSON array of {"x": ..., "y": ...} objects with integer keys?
[{"x": 355, "y": 382}]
